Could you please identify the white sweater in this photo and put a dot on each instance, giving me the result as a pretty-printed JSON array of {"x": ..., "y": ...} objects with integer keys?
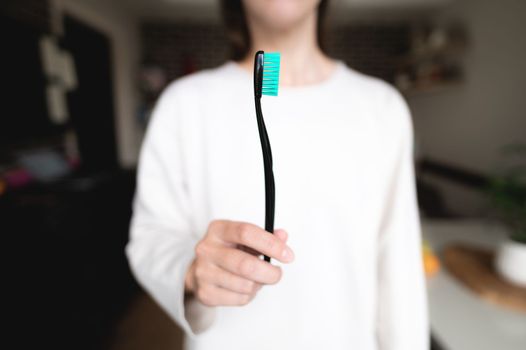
[{"x": 345, "y": 193}]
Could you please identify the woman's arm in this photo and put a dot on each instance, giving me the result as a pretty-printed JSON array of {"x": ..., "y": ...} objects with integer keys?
[
  {"x": 162, "y": 244},
  {"x": 402, "y": 303},
  {"x": 187, "y": 272}
]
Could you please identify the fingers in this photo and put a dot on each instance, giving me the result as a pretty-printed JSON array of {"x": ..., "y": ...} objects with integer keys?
[
  {"x": 248, "y": 250},
  {"x": 260, "y": 240},
  {"x": 212, "y": 295},
  {"x": 227, "y": 280},
  {"x": 228, "y": 269},
  {"x": 245, "y": 265},
  {"x": 281, "y": 234}
]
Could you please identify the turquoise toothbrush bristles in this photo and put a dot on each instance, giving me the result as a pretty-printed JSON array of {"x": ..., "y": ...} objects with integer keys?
[{"x": 271, "y": 62}]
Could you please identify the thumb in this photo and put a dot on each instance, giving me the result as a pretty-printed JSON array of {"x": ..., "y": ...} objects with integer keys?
[{"x": 281, "y": 234}]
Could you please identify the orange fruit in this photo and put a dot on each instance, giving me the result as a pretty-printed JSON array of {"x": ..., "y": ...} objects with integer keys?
[{"x": 431, "y": 264}]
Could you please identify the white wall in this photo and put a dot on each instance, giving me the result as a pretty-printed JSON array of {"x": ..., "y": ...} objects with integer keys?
[
  {"x": 466, "y": 125},
  {"x": 123, "y": 31}
]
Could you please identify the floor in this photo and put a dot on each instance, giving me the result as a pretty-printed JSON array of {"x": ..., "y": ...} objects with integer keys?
[{"x": 146, "y": 326}]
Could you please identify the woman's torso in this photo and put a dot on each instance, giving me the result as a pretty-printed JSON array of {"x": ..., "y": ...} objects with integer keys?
[{"x": 328, "y": 167}]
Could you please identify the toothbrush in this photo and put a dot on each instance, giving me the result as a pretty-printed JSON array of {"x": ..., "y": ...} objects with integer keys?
[{"x": 266, "y": 82}]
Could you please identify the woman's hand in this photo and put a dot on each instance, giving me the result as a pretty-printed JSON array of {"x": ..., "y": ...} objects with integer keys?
[{"x": 227, "y": 270}]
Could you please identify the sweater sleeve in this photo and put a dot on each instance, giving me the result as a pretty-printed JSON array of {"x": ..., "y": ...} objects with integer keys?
[
  {"x": 402, "y": 322},
  {"x": 161, "y": 242}
]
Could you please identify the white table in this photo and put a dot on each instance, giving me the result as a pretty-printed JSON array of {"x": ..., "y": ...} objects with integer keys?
[{"x": 459, "y": 319}]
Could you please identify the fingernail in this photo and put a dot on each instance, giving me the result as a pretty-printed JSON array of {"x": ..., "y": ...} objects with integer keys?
[{"x": 287, "y": 254}]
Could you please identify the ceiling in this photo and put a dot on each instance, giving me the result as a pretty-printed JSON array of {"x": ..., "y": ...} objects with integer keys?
[
  {"x": 207, "y": 10},
  {"x": 342, "y": 2}
]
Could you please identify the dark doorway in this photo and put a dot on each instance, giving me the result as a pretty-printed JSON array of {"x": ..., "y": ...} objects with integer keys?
[{"x": 91, "y": 104}]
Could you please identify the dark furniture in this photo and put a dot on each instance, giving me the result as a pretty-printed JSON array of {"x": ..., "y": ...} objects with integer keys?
[{"x": 68, "y": 280}]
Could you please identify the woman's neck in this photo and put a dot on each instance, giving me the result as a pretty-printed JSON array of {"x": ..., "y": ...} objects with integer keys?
[{"x": 302, "y": 61}]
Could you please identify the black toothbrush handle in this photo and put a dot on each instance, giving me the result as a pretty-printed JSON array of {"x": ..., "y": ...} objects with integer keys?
[
  {"x": 269, "y": 175},
  {"x": 269, "y": 208}
]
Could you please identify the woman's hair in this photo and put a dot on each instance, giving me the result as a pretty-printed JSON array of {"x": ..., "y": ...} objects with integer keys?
[{"x": 238, "y": 33}]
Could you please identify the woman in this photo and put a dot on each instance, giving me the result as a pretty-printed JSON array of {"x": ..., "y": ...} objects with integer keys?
[{"x": 346, "y": 269}]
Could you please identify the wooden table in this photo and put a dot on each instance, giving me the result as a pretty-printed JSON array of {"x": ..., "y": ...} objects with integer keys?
[{"x": 459, "y": 319}]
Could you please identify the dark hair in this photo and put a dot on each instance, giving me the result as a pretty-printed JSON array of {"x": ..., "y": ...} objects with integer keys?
[{"x": 238, "y": 33}]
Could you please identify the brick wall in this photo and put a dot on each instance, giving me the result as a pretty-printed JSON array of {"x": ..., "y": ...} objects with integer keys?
[
  {"x": 180, "y": 48},
  {"x": 32, "y": 13},
  {"x": 371, "y": 49}
]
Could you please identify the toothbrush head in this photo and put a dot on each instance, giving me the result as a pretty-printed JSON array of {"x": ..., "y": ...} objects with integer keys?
[{"x": 266, "y": 73}]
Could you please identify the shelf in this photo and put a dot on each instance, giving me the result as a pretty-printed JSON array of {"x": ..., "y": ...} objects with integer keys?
[{"x": 432, "y": 89}]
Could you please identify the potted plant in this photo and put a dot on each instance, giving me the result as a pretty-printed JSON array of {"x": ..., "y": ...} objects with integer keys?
[{"x": 507, "y": 193}]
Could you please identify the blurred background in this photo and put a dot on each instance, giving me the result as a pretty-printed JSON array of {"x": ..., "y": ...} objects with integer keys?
[{"x": 79, "y": 79}]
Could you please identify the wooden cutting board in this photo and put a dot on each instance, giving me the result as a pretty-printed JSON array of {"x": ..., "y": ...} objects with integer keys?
[{"x": 474, "y": 268}]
